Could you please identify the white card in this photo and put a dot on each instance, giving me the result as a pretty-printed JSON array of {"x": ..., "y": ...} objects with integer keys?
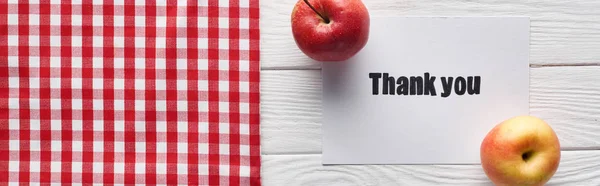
[{"x": 487, "y": 59}]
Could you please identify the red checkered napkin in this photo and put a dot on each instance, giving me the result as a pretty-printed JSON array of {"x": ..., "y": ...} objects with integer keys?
[{"x": 129, "y": 92}]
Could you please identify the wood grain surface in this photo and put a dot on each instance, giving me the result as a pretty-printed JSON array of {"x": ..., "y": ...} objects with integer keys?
[
  {"x": 564, "y": 91},
  {"x": 577, "y": 168},
  {"x": 563, "y": 32},
  {"x": 568, "y": 98}
]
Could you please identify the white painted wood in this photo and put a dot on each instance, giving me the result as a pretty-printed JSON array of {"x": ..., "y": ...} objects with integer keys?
[
  {"x": 562, "y": 31},
  {"x": 568, "y": 98},
  {"x": 565, "y": 34},
  {"x": 291, "y": 111},
  {"x": 576, "y": 168}
]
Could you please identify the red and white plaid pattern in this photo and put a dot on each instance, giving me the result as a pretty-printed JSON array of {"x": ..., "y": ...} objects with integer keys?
[{"x": 129, "y": 92}]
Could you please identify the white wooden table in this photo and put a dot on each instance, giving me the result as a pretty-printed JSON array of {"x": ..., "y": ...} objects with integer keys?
[{"x": 565, "y": 91}]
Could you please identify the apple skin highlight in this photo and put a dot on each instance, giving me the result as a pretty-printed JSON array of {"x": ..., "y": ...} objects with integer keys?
[
  {"x": 523, "y": 150},
  {"x": 337, "y": 36}
]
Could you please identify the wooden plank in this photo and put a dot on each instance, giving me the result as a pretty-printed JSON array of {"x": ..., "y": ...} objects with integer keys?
[
  {"x": 567, "y": 98},
  {"x": 562, "y": 31},
  {"x": 291, "y": 111},
  {"x": 576, "y": 168}
]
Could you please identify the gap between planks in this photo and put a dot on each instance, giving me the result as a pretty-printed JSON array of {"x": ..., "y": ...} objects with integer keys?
[
  {"x": 586, "y": 149},
  {"x": 318, "y": 67},
  {"x": 563, "y": 65}
]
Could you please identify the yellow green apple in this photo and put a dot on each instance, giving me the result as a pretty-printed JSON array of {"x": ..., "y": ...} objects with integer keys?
[{"x": 522, "y": 150}]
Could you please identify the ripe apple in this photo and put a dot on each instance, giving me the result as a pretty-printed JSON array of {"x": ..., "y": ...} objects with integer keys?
[
  {"x": 330, "y": 30},
  {"x": 523, "y": 150}
]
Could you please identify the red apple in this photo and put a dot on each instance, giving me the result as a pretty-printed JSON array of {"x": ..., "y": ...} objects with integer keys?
[
  {"x": 523, "y": 150},
  {"x": 330, "y": 30}
]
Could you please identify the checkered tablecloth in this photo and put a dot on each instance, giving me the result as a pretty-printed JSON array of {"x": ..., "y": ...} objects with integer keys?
[{"x": 129, "y": 92}]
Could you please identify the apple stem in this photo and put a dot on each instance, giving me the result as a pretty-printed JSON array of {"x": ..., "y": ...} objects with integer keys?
[{"x": 313, "y": 8}]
